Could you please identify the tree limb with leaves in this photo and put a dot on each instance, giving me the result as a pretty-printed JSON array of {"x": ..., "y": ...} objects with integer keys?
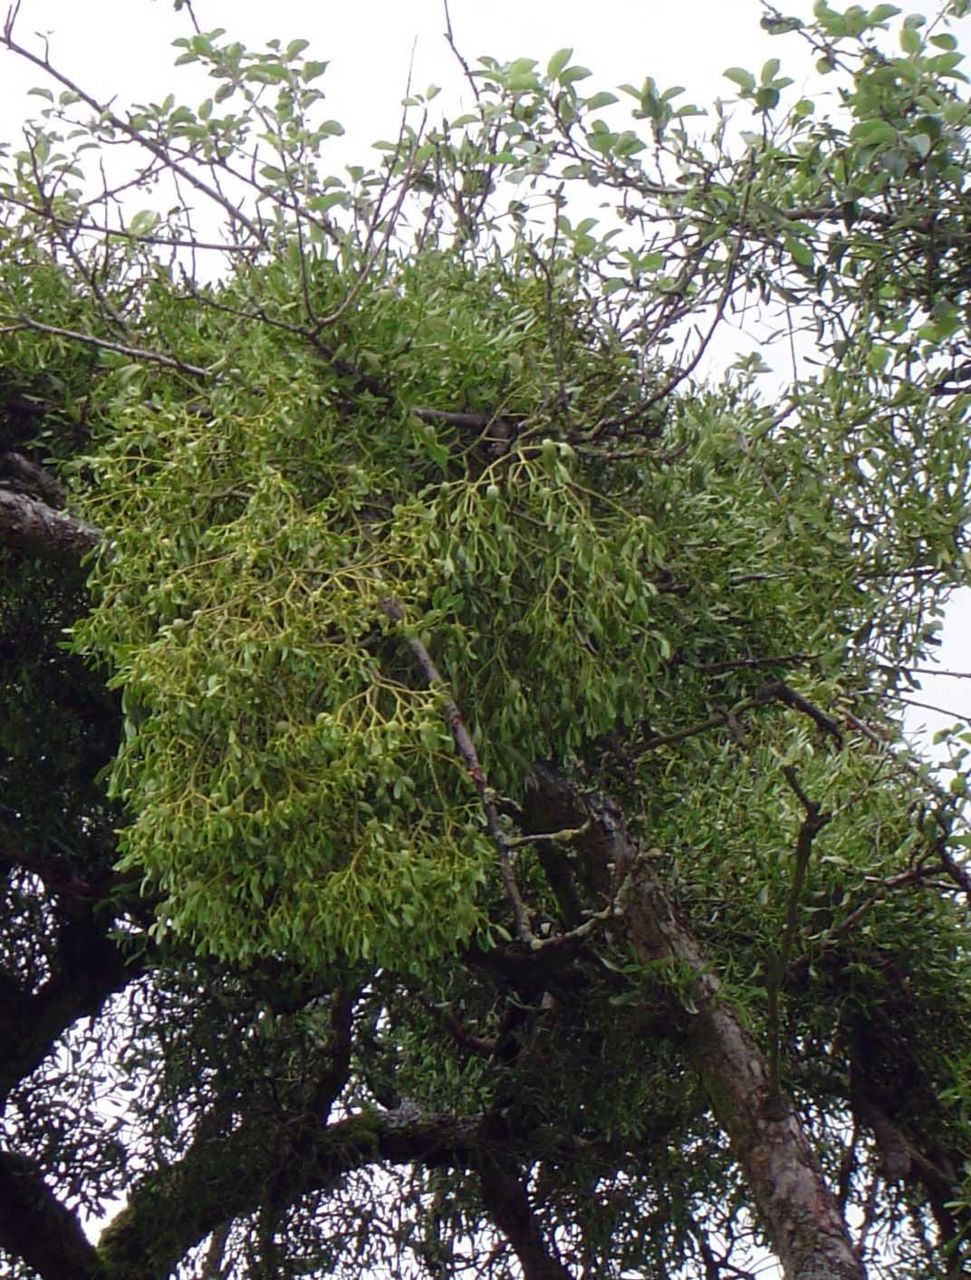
[{"x": 455, "y": 813}]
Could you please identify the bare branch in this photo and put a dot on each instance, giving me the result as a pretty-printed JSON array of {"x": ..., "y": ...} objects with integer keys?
[
  {"x": 19, "y": 323},
  {"x": 236, "y": 216},
  {"x": 460, "y": 57}
]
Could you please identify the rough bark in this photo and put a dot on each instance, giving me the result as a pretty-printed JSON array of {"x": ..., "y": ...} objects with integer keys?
[
  {"x": 20, "y": 475},
  {"x": 798, "y": 1210},
  {"x": 38, "y": 529},
  {"x": 224, "y": 1178}
]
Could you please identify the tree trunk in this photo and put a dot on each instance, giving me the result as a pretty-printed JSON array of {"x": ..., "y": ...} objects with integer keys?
[{"x": 795, "y": 1205}]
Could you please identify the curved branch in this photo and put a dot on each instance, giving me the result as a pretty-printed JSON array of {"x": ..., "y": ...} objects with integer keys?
[
  {"x": 507, "y": 1202},
  {"x": 90, "y": 968},
  {"x": 228, "y": 1177},
  {"x": 36, "y": 1227}
]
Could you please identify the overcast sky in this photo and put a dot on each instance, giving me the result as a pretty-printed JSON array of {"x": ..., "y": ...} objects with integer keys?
[
  {"x": 121, "y": 48},
  {"x": 369, "y": 43}
]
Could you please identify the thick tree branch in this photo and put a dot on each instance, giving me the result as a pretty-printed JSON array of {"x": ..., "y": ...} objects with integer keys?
[
  {"x": 37, "y": 1228},
  {"x": 23, "y": 476},
  {"x": 507, "y": 1202},
  {"x": 31, "y": 526},
  {"x": 228, "y": 1177},
  {"x": 798, "y": 1209},
  {"x": 90, "y": 967}
]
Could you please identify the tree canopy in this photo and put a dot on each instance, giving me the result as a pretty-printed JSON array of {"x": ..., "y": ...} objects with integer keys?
[{"x": 456, "y": 819}]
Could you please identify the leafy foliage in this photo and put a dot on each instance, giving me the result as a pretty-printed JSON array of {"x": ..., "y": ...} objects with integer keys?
[{"x": 439, "y": 608}]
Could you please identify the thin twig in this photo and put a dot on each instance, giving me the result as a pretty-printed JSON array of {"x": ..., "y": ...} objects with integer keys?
[
  {"x": 104, "y": 344},
  {"x": 107, "y": 116},
  {"x": 774, "y": 691},
  {"x": 373, "y": 251},
  {"x": 735, "y": 664},
  {"x": 466, "y": 749},
  {"x": 878, "y": 889},
  {"x": 930, "y": 706},
  {"x": 566, "y": 836},
  {"x": 931, "y": 671},
  {"x": 811, "y": 826},
  {"x": 685, "y": 371},
  {"x": 460, "y": 57},
  {"x": 67, "y": 241}
]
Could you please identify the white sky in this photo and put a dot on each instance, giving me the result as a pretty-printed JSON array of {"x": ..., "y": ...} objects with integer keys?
[
  {"x": 124, "y": 43},
  {"x": 121, "y": 48}
]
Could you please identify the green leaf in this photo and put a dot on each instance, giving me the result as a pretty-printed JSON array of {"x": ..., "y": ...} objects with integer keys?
[
  {"x": 777, "y": 26},
  {"x": 330, "y": 201},
  {"x": 598, "y": 100},
  {"x": 572, "y": 74},
  {"x": 921, "y": 143},
  {"x": 264, "y": 75},
  {"x": 769, "y": 71},
  {"x": 744, "y": 79},
  {"x": 874, "y": 133},
  {"x": 800, "y": 252},
  {"x": 144, "y": 222},
  {"x": 558, "y": 61},
  {"x": 946, "y": 64}
]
